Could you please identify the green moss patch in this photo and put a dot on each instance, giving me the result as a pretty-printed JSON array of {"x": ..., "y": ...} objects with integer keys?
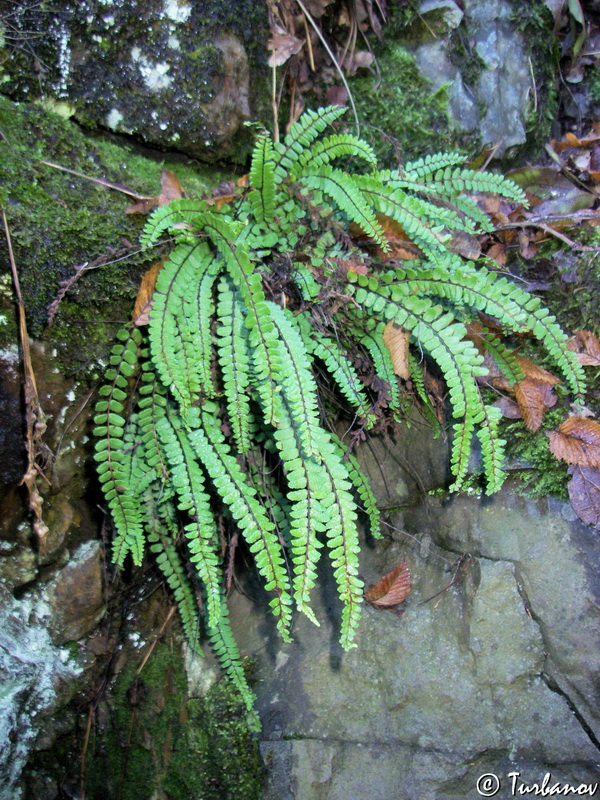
[
  {"x": 59, "y": 221},
  {"x": 161, "y": 743}
]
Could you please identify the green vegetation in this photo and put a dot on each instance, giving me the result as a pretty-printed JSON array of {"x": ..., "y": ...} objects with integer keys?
[
  {"x": 404, "y": 106},
  {"x": 258, "y": 298},
  {"x": 59, "y": 221},
  {"x": 160, "y": 741}
]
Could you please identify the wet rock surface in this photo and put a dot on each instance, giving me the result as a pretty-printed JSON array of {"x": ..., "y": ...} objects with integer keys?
[
  {"x": 173, "y": 74},
  {"x": 490, "y": 668}
]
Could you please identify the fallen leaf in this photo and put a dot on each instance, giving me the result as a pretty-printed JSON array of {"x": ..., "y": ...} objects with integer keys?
[
  {"x": 509, "y": 408},
  {"x": 584, "y": 493},
  {"x": 392, "y": 589},
  {"x": 396, "y": 340},
  {"x": 577, "y": 441},
  {"x": 143, "y": 301},
  {"x": 533, "y": 399},
  {"x": 586, "y": 347},
  {"x": 170, "y": 188},
  {"x": 284, "y": 46}
]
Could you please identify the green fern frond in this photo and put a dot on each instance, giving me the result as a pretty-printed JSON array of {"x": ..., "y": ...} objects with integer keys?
[
  {"x": 339, "y": 366},
  {"x": 171, "y": 332},
  {"x": 234, "y": 360},
  {"x": 345, "y": 193},
  {"x": 113, "y": 460},
  {"x": 262, "y": 180},
  {"x": 182, "y": 214},
  {"x": 240, "y": 497},
  {"x": 302, "y": 134},
  {"x": 422, "y": 168},
  {"x": 326, "y": 150}
]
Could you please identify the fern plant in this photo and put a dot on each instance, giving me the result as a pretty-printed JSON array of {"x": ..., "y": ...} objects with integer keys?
[{"x": 214, "y": 410}]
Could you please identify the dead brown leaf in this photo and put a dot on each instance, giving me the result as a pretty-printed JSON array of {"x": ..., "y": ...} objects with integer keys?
[
  {"x": 586, "y": 347},
  {"x": 170, "y": 190},
  {"x": 396, "y": 340},
  {"x": 392, "y": 589},
  {"x": 143, "y": 301},
  {"x": 577, "y": 441},
  {"x": 283, "y": 46},
  {"x": 584, "y": 493}
]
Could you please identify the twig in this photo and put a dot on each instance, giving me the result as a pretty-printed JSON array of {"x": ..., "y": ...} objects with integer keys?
[
  {"x": 100, "y": 181},
  {"x": 552, "y": 231},
  {"x": 275, "y": 105},
  {"x": 155, "y": 642},
  {"x": 34, "y": 416},
  {"x": 335, "y": 62}
]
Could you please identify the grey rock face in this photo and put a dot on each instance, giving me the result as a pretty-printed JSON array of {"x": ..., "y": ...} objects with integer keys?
[
  {"x": 491, "y": 668},
  {"x": 36, "y": 679},
  {"x": 174, "y": 74},
  {"x": 496, "y": 103}
]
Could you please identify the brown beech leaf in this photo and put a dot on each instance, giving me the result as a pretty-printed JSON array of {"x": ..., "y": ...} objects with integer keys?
[
  {"x": 577, "y": 441},
  {"x": 396, "y": 339},
  {"x": 584, "y": 493},
  {"x": 143, "y": 301},
  {"x": 392, "y": 589},
  {"x": 586, "y": 347},
  {"x": 534, "y": 399}
]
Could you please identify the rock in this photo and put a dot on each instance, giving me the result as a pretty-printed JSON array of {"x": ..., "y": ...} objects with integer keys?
[
  {"x": 494, "y": 673},
  {"x": 173, "y": 74},
  {"x": 480, "y": 55},
  {"x": 74, "y": 599},
  {"x": 556, "y": 563},
  {"x": 37, "y": 678}
]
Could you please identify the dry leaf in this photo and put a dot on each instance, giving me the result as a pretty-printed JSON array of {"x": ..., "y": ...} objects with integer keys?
[
  {"x": 396, "y": 339},
  {"x": 392, "y": 589},
  {"x": 586, "y": 347},
  {"x": 170, "y": 188},
  {"x": 584, "y": 493},
  {"x": 143, "y": 301},
  {"x": 577, "y": 441},
  {"x": 284, "y": 46},
  {"x": 534, "y": 399}
]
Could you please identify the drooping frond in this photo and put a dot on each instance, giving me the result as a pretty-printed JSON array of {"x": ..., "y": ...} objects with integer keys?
[
  {"x": 113, "y": 460},
  {"x": 339, "y": 366},
  {"x": 240, "y": 497},
  {"x": 234, "y": 360},
  {"x": 172, "y": 333}
]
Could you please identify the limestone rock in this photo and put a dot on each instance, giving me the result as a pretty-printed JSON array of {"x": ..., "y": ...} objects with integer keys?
[
  {"x": 494, "y": 673},
  {"x": 174, "y": 74},
  {"x": 36, "y": 679},
  {"x": 74, "y": 598}
]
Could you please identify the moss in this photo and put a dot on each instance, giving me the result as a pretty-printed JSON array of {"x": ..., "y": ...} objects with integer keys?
[
  {"x": 540, "y": 473},
  {"x": 534, "y": 20},
  {"x": 160, "y": 742},
  {"x": 404, "y": 107},
  {"x": 59, "y": 221}
]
